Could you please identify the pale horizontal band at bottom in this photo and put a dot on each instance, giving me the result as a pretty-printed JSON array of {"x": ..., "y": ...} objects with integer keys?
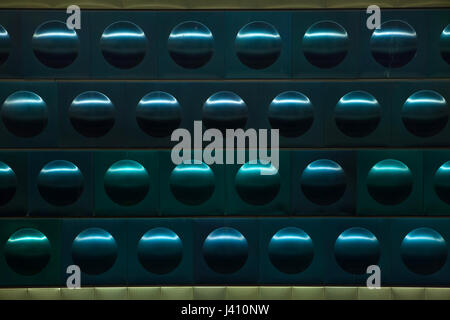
[{"x": 226, "y": 293}]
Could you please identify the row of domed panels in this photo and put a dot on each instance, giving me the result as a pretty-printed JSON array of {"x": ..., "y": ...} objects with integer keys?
[
  {"x": 240, "y": 250},
  {"x": 147, "y": 183},
  {"x": 146, "y": 114},
  {"x": 226, "y": 44}
]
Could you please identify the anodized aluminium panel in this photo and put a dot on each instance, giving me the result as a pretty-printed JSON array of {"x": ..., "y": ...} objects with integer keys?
[
  {"x": 98, "y": 247},
  {"x": 192, "y": 188},
  {"x": 292, "y": 251},
  {"x": 256, "y": 188},
  {"x": 60, "y": 183},
  {"x": 29, "y": 114},
  {"x": 226, "y": 251},
  {"x": 31, "y": 254},
  {"x": 126, "y": 183},
  {"x": 354, "y": 244},
  {"x": 438, "y": 60},
  {"x": 13, "y": 183},
  {"x": 420, "y": 112},
  {"x": 436, "y": 180},
  {"x": 160, "y": 251},
  {"x": 420, "y": 252},
  {"x": 399, "y": 48},
  {"x": 50, "y": 49},
  {"x": 357, "y": 113},
  {"x": 323, "y": 182},
  {"x": 390, "y": 182},
  {"x": 124, "y": 45},
  {"x": 191, "y": 44},
  {"x": 93, "y": 114},
  {"x": 325, "y": 44},
  {"x": 155, "y": 109},
  {"x": 11, "y": 65},
  {"x": 258, "y": 44},
  {"x": 295, "y": 109}
]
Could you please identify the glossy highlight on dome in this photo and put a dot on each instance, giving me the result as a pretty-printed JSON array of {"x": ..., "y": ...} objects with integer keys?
[
  {"x": 27, "y": 251},
  {"x": 123, "y": 44},
  {"x": 92, "y": 114},
  {"x": 441, "y": 182},
  {"x": 225, "y": 250},
  {"x": 292, "y": 113},
  {"x": 357, "y": 114},
  {"x": 291, "y": 250},
  {"x": 158, "y": 114},
  {"x": 355, "y": 249},
  {"x": 394, "y": 44},
  {"x": 192, "y": 182},
  {"x": 8, "y": 183},
  {"x": 24, "y": 114},
  {"x": 424, "y": 251},
  {"x": 126, "y": 182},
  {"x": 444, "y": 43},
  {"x": 323, "y": 182},
  {"x": 425, "y": 113},
  {"x": 258, "y": 45},
  {"x": 94, "y": 250},
  {"x": 225, "y": 110},
  {"x": 160, "y": 250},
  {"x": 191, "y": 44},
  {"x": 60, "y": 182},
  {"x": 325, "y": 44},
  {"x": 5, "y": 45},
  {"x": 55, "y": 45},
  {"x": 254, "y": 187},
  {"x": 389, "y": 182}
]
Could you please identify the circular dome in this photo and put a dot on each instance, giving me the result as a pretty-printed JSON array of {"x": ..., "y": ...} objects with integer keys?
[
  {"x": 292, "y": 113},
  {"x": 191, "y": 44},
  {"x": 425, "y": 113},
  {"x": 158, "y": 114},
  {"x": 225, "y": 250},
  {"x": 126, "y": 182},
  {"x": 225, "y": 110},
  {"x": 8, "y": 183},
  {"x": 27, "y": 251},
  {"x": 94, "y": 250},
  {"x": 356, "y": 249},
  {"x": 55, "y": 45},
  {"x": 92, "y": 114},
  {"x": 444, "y": 43},
  {"x": 394, "y": 44},
  {"x": 389, "y": 182},
  {"x": 291, "y": 250},
  {"x": 257, "y": 183},
  {"x": 357, "y": 114},
  {"x": 192, "y": 182},
  {"x": 24, "y": 114},
  {"x": 60, "y": 183},
  {"x": 258, "y": 45},
  {"x": 441, "y": 182},
  {"x": 325, "y": 44},
  {"x": 160, "y": 250},
  {"x": 5, "y": 45},
  {"x": 323, "y": 182},
  {"x": 424, "y": 251},
  {"x": 123, "y": 44}
]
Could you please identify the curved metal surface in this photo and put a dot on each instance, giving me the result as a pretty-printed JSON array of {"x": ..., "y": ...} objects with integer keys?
[
  {"x": 60, "y": 183},
  {"x": 323, "y": 182},
  {"x": 225, "y": 250},
  {"x": 126, "y": 182},
  {"x": 160, "y": 250}
]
